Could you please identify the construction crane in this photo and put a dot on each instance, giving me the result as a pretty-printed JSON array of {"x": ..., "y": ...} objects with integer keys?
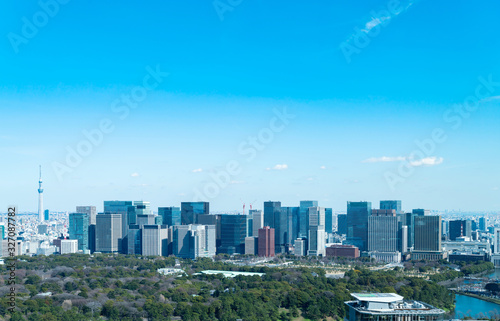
[
  {"x": 243, "y": 206},
  {"x": 251, "y": 204}
]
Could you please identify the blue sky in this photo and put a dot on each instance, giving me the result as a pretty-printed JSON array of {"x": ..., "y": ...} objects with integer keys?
[{"x": 356, "y": 115}]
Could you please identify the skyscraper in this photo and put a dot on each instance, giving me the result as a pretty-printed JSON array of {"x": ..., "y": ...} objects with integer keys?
[
  {"x": 342, "y": 224},
  {"x": 316, "y": 237},
  {"x": 193, "y": 241},
  {"x": 357, "y": 224},
  {"x": 154, "y": 240},
  {"x": 108, "y": 233},
  {"x": 459, "y": 228},
  {"x": 134, "y": 239},
  {"x": 40, "y": 197},
  {"x": 383, "y": 231},
  {"x": 46, "y": 215},
  {"x": 427, "y": 233},
  {"x": 258, "y": 221},
  {"x": 304, "y": 218},
  {"x": 233, "y": 233},
  {"x": 79, "y": 229},
  {"x": 271, "y": 209},
  {"x": 266, "y": 242},
  {"x": 123, "y": 208},
  {"x": 171, "y": 215},
  {"x": 89, "y": 210},
  {"x": 281, "y": 229},
  {"x": 483, "y": 222},
  {"x": 190, "y": 210},
  {"x": 328, "y": 220},
  {"x": 391, "y": 205}
]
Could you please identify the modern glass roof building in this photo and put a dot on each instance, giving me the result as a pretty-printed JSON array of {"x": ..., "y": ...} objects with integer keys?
[{"x": 390, "y": 307}]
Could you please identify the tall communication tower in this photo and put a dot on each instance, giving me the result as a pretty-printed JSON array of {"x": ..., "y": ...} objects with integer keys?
[{"x": 40, "y": 198}]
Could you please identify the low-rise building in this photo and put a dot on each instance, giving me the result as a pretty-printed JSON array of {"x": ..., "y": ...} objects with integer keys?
[{"x": 390, "y": 307}]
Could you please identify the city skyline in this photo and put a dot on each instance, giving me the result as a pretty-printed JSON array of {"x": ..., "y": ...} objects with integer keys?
[{"x": 267, "y": 101}]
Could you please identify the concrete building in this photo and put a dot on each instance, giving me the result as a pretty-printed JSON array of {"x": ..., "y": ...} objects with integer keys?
[
  {"x": 251, "y": 245},
  {"x": 90, "y": 211},
  {"x": 193, "y": 241},
  {"x": 154, "y": 240},
  {"x": 258, "y": 221},
  {"x": 108, "y": 233},
  {"x": 69, "y": 246},
  {"x": 317, "y": 235},
  {"x": 300, "y": 247}
]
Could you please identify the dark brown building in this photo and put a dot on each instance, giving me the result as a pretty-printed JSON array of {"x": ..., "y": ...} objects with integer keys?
[
  {"x": 342, "y": 250},
  {"x": 266, "y": 241}
]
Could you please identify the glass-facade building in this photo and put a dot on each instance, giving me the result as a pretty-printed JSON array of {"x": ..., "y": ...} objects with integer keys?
[
  {"x": 79, "y": 229},
  {"x": 391, "y": 205},
  {"x": 357, "y": 224},
  {"x": 171, "y": 215},
  {"x": 189, "y": 211},
  {"x": 328, "y": 220},
  {"x": 233, "y": 233},
  {"x": 304, "y": 217},
  {"x": 271, "y": 209}
]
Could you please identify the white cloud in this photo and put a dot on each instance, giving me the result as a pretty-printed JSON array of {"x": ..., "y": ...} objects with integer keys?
[
  {"x": 428, "y": 161},
  {"x": 197, "y": 170},
  {"x": 495, "y": 188},
  {"x": 310, "y": 179},
  {"x": 384, "y": 159},
  {"x": 134, "y": 174},
  {"x": 278, "y": 167},
  {"x": 322, "y": 167},
  {"x": 236, "y": 182}
]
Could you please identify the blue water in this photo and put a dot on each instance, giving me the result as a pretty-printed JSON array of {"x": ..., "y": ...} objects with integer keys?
[
  {"x": 467, "y": 306},
  {"x": 494, "y": 275}
]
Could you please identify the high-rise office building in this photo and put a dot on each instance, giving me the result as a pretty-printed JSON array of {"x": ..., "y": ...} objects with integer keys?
[
  {"x": 316, "y": 236},
  {"x": 145, "y": 219},
  {"x": 79, "y": 229},
  {"x": 154, "y": 240},
  {"x": 89, "y": 210},
  {"x": 458, "y": 228},
  {"x": 92, "y": 231},
  {"x": 496, "y": 240},
  {"x": 251, "y": 245},
  {"x": 258, "y": 221},
  {"x": 342, "y": 224},
  {"x": 427, "y": 233},
  {"x": 281, "y": 232},
  {"x": 190, "y": 210},
  {"x": 357, "y": 224},
  {"x": 421, "y": 212},
  {"x": 271, "y": 209},
  {"x": 328, "y": 220},
  {"x": 134, "y": 239},
  {"x": 383, "y": 231},
  {"x": 46, "y": 215},
  {"x": 193, "y": 241},
  {"x": 483, "y": 222},
  {"x": 212, "y": 219},
  {"x": 108, "y": 233},
  {"x": 304, "y": 218},
  {"x": 233, "y": 233},
  {"x": 266, "y": 242},
  {"x": 171, "y": 215},
  {"x": 124, "y": 208},
  {"x": 391, "y": 205},
  {"x": 142, "y": 208}
]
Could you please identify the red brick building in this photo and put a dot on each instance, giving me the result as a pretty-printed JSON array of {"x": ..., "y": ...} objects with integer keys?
[
  {"x": 342, "y": 250},
  {"x": 266, "y": 241}
]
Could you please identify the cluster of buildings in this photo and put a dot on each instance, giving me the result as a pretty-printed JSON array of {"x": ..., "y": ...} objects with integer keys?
[{"x": 387, "y": 234}]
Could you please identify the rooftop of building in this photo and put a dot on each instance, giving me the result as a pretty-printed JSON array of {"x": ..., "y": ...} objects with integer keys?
[
  {"x": 231, "y": 274},
  {"x": 389, "y": 303}
]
